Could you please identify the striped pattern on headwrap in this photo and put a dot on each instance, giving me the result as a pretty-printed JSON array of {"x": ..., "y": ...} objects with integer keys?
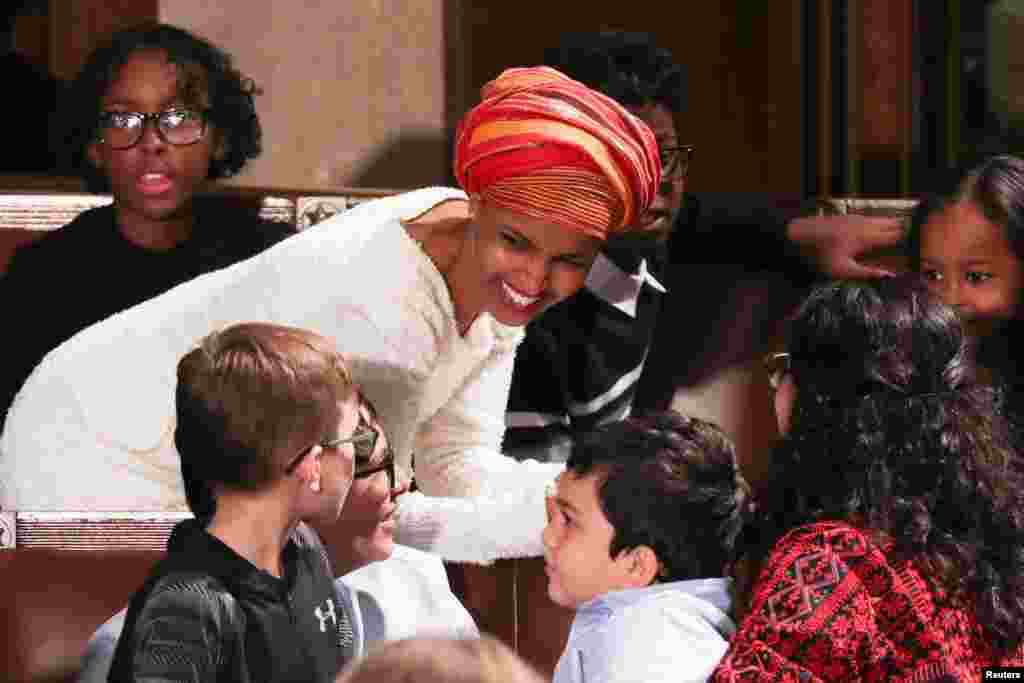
[{"x": 546, "y": 146}]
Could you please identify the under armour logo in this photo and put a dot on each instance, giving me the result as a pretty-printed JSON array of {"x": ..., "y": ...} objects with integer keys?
[{"x": 324, "y": 616}]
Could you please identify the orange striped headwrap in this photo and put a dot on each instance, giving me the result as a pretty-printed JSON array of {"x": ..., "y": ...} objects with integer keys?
[{"x": 546, "y": 146}]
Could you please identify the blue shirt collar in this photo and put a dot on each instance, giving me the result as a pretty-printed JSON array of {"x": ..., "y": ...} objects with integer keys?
[{"x": 714, "y": 591}]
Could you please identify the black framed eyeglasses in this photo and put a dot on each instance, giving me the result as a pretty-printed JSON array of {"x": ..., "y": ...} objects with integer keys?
[
  {"x": 363, "y": 439},
  {"x": 387, "y": 464},
  {"x": 778, "y": 366},
  {"x": 675, "y": 158},
  {"x": 123, "y": 129}
]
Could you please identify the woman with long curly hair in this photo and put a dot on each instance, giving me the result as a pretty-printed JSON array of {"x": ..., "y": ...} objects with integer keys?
[{"x": 891, "y": 540}]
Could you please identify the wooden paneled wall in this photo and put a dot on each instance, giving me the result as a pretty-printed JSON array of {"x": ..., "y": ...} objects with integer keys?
[
  {"x": 744, "y": 64},
  {"x": 882, "y": 86}
]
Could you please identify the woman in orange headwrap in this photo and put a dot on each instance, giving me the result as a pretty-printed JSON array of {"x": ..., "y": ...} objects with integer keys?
[
  {"x": 551, "y": 168},
  {"x": 426, "y": 293}
]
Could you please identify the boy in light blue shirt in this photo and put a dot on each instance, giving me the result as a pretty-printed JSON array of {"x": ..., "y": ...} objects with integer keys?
[{"x": 641, "y": 529}]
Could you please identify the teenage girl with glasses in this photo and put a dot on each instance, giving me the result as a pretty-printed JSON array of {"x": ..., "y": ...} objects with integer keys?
[{"x": 153, "y": 116}]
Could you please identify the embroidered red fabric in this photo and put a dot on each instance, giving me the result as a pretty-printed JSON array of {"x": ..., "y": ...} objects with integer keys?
[{"x": 829, "y": 605}]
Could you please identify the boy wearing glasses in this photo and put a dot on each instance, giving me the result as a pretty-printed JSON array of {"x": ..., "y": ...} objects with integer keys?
[
  {"x": 385, "y": 591},
  {"x": 392, "y": 591},
  {"x": 268, "y": 419},
  {"x": 153, "y": 116}
]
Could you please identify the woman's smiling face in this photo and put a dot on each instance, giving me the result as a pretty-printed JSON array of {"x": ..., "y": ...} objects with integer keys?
[{"x": 522, "y": 264}]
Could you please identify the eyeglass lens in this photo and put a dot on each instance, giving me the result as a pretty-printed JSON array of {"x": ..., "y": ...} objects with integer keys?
[
  {"x": 388, "y": 465},
  {"x": 364, "y": 446},
  {"x": 673, "y": 158},
  {"x": 122, "y": 130}
]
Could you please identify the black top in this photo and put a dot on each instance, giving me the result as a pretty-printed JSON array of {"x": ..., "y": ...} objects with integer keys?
[
  {"x": 586, "y": 361},
  {"x": 206, "y": 614},
  {"x": 87, "y": 271}
]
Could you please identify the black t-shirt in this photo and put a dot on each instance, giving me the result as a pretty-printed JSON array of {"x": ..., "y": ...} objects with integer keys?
[
  {"x": 205, "y": 613},
  {"x": 87, "y": 271}
]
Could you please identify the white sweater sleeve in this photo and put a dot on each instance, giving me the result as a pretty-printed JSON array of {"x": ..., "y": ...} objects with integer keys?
[
  {"x": 480, "y": 505},
  {"x": 478, "y": 530}
]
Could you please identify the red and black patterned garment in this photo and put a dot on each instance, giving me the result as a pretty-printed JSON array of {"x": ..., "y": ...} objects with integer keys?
[{"x": 831, "y": 605}]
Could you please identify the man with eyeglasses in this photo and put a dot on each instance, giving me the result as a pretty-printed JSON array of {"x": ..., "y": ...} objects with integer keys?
[
  {"x": 154, "y": 115},
  {"x": 589, "y": 359}
]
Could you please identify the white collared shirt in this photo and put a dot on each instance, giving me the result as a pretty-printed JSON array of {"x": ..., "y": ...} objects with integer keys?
[{"x": 619, "y": 288}]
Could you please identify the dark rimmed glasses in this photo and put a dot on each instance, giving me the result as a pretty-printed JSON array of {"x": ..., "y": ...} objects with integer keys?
[
  {"x": 123, "y": 129},
  {"x": 778, "y": 366},
  {"x": 387, "y": 464},
  {"x": 368, "y": 416},
  {"x": 675, "y": 159},
  {"x": 363, "y": 439}
]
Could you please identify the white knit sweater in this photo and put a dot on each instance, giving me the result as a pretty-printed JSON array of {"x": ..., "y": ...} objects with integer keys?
[{"x": 92, "y": 428}]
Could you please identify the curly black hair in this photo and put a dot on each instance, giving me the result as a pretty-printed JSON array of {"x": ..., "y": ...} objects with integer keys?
[
  {"x": 890, "y": 429},
  {"x": 671, "y": 483},
  {"x": 204, "y": 71},
  {"x": 626, "y": 66}
]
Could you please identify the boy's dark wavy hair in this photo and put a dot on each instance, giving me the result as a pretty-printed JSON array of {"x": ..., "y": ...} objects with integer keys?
[
  {"x": 626, "y": 66},
  {"x": 203, "y": 69},
  {"x": 889, "y": 429},
  {"x": 671, "y": 483}
]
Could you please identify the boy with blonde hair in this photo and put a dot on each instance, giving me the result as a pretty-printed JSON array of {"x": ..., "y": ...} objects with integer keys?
[{"x": 268, "y": 423}]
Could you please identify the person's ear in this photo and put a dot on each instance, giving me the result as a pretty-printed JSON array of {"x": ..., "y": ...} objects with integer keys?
[
  {"x": 640, "y": 566},
  {"x": 475, "y": 206},
  {"x": 309, "y": 469},
  {"x": 784, "y": 400}
]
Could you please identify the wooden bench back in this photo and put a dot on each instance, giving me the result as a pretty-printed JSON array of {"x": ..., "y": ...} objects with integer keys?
[
  {"x": 26, "y": 216},
  {"x": 893, "y": 258},
  {"x": 866, "y": 206}
]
